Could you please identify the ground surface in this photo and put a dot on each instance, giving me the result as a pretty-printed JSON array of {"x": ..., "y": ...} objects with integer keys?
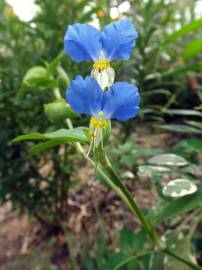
[{"x": 90, "y": 204}]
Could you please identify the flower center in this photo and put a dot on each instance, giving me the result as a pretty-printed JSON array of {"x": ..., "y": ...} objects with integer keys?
[
  {"x": 98, "y": 123},
  {"x": 101, "y": 65}
]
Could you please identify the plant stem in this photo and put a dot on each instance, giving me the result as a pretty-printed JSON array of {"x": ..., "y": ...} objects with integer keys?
[
  {"x": 116, "y": 184},
  {"x": 138, "y": 256},
  {"x": 166, "y": 251},
  {"x": 177, "y": 257},
  {"x": 125, "y": 195},
  {"x": 131, "y": 201}
]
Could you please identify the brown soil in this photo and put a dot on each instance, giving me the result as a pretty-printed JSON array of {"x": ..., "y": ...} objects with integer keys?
[
  {"x": 14, "y": 235},
  {"x": 89, "y": 204}
]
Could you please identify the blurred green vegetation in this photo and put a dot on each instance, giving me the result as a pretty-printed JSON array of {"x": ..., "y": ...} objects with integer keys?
[
  {"x": 24, "y": 45},
  {"x": 166, "y": 65}
]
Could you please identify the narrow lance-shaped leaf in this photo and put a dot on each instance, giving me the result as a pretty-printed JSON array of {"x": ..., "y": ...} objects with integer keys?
[
  {"x": 180, "y": 70},
  {"x": 168, "y": 160},
  {"x": 70, "y": 135},
  {"x": 41, "y": 147},
  {"x": 188, "y": 28},
  {"x": 192, "y": 49},
  {"x": 157, "y": 92},
  {"x": 196, "y": 124},
  {"x": 176, "y": 207},
  {"x": 182, "y": 112},
  {"x": 177, "y": 71},
  {"x": 181, "y": 128}
]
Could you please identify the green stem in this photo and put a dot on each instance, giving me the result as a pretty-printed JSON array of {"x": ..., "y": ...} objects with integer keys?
[
  {"x": 131, "y": 201},
  {"x": 115, "y": 183},
  {"x": 138, "y": 256},
  {"x": 177, "y": 257},
  {"x": 57, "y": 93},
  {"x": 166, "y": 251}
]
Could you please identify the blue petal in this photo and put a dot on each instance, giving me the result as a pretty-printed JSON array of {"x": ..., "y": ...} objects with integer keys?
[
  {"x": 118, "y": 40},
  {"x": 82, "y": 42},
  {"x": 121, "y": 102},
  {"x": 85, "y": 96}
]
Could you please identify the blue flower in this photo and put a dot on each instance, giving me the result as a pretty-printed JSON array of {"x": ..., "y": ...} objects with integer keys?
[
  {"x": 116, "y": 41},
  {"x": 120, "y": 102}
]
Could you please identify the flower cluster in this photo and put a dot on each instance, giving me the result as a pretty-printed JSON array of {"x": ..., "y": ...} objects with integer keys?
[{"x": 97, "y": 95}]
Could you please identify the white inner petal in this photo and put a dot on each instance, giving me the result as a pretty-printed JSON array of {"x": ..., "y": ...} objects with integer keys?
[{"x": 105, "y": 78}]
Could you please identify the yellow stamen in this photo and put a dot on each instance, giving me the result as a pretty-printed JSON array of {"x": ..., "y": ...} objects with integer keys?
[
  {"x": 98, "y": 123},
  {"x": 101, "y": 64},
  {"x": 100, "y": 13}
]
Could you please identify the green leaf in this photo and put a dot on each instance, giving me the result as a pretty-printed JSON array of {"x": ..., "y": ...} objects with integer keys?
[
  {"x": 193, "y": 144},
  {"x": 177, "y": 71},
  {"x": 179, "y": 188},
  {"x": 156, "y": 261},
  {"x": 157, "y": 92},
  {"x": 194, "y": 124},
  {"x": 40, "y": 147},
  {"x": 69, "y": 135},
  {"x": 180, "y": 245},
  {"x": 124, "y": 261},
  {"x": 114, "y": 259},
  {"x": 181, "y": 129},
  {"x": 130, "y": 242},
  {"x": 192, "y": 49},
  {"x": 168, "y": 160},
  {"x": 176, "y": 207},
  {"x": 180, "y": 70},
  {"x": 59, "y": 110},
  {"x": 188, "y": 28},
  {"x": 21, "y": 91},
  {"x": 149, "y": 171},
  {"x": 182, "y": 112},
  {"x": 194, "y": 170}
]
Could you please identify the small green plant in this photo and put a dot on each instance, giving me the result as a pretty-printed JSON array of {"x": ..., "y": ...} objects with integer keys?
[{"x": 100, "y": 98}]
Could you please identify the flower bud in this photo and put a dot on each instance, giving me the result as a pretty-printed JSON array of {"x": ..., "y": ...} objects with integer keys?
[{"x": 58, "y": 111}]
